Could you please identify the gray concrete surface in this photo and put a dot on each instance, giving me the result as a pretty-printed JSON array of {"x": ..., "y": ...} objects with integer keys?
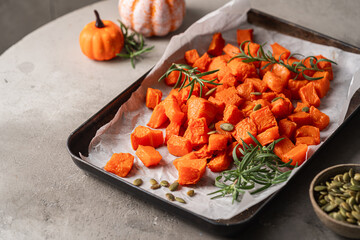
[{"x": 47, "y": 89}]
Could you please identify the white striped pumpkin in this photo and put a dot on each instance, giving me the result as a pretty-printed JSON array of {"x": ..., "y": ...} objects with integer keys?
[{"x": 152, "y": 17}]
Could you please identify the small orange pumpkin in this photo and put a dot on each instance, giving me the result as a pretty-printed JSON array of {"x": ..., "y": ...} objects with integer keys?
[
  {"x": 101, "y": 40},
  {"x": 152, "y": 18}
]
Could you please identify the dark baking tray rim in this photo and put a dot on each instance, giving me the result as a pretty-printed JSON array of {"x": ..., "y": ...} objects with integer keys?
[{"x": 79, "y": 140}]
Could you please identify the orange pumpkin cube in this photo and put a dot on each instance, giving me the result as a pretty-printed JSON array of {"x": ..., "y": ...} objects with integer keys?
[
  {"x": 319, "y": 119},
  {"x": 153, "y": 97},
  {"x": 242, "y": 70},
  {"x": 259, "y": 85},
  {"x": 217, "y": 44},
  {"x": 274, "y": 82},
  {"x": 297, "y": 155},
  {"x": 146, "y": 137},
  {"x": 202, "y": 63},
  {"x": 268, "y": 96},
  {"x": 179, "y": 146},
  {"x": 281, "y": 108},
  {"x": 308, "y": 131},
  {"x": 279, "y": 50},
  {"x": 228, "y": 80},
  {"x": 120, "y": 164},
  {"x": 172, "y": 129},
  {"x": 220, "y": 162},
  {"x": 294, "y": 87},
  {"x": 287, "y": 128},
  {"x": 282, "y": 72},
  {"x": 217, "y": 142},
  {"x": 204, "y": 152},
  {"x": 190, "y": 170},
  {"x": 264, "y": 68},
  {"x": 263, "y": 119},
  {"x": 197, "y": 131},
  {"x": 231, "y": 50},
  {"x": 191, "y": 56},
  {"x": 173, "y": 110},
  {"x": 232, "y": 114},
  {"x": 241, "y": 131},
  {"x": 268, "y": 136},
  {"x": 219, "y": 105},
  {"x": 322, "y": 85},
  {"x": 245, "y": 89},
  {"x": 300, "y": 107},
  {"x": 243, "y": 35},
  {"x": 301, "y": 118},
  {"x": 305, "y": 140},
  {"x": 308, "y": 95},
  {"x": 247, "y": 108},
  {"x": 148, "y": 155},
  {"x": 158, "y": 116},
  {"x": 223, "y": 132},
  {"x": 229, "y": 96},
  {"x": 283, "y": 147},
  {"x": 326, "y": 66},
  {"x": 173, "y": 77},
  {"x": 200, "y": 107}
]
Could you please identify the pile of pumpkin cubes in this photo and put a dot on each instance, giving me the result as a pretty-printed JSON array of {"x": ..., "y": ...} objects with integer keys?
[{"x": 251, "y": 98}]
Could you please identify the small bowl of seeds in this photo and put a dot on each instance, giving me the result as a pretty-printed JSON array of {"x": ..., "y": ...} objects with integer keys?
[{"x": 335, "y": 197}]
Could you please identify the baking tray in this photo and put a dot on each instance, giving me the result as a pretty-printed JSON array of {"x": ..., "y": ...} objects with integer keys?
[{"x": 79, "y": 140}]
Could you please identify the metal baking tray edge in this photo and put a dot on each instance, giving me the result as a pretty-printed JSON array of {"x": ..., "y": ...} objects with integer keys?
[{"x": 79, "y": 140}]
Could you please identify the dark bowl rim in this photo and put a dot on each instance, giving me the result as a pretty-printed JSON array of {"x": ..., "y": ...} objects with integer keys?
[{"x": 317, "y": 207}]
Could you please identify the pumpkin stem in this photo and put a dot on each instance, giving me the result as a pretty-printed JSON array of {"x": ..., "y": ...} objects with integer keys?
[{"x": 98, "y": 23}]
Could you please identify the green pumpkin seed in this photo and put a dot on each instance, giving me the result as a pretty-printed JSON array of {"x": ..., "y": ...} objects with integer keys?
[
  {"x": 323, "y": 193},
  {"x": 322, "y": 202},
  {"x": 138, "y": 182},
  {"x": 347, "y": 185},
  {"x": 343, "y": 212},
  {"x": 164, "y": 183},
  {"x": 357, "y": 197},
  {"x": 349, "y": 215},
  {"x": 345, "y": 206},
  {"x": 305, "y": 109},
  {"x": 210, "y": 92},
  {"x": 355, "y": 188},
  {"x": 335, "y": 184},
  {"x": 357, "y": 176},
  {"x": 319, "y": 188},
  {"x": 356, "y": 215},
  {"x": 180, "y": 200},
  {"x": 153, "y": 181},
  {"x": 327, "y": 183},
  {"x": 350, "y": 201},
  {"x": 346, "y": 177},
  {"x": 339, "y": 217},
  {"x": 191, "y": 193},
  {"x": 329, "y": 207},
  {"x": 326, "y": 198},
  {"x": 256, "y": 93},
  {"x": 174, "y": 186},
  {"x": 331, "y": 197},
  {"x": 277, "y": 98},
  {"x": 354, "y": 182},
  {"x": 356, "y": 208},
  {"x": 155, "y": 186},
  {"x": 338, "y": 200},
  {"x": 257, "y": 107},
  {"x": 339, "y": 178},
  {"x": 351, "y": 172},
  {"x": 211, "y": 132},
  {"x": 170, "y": 197},
  {"x": 351, "y": 220},
  {"x": 227, "y": 127}
]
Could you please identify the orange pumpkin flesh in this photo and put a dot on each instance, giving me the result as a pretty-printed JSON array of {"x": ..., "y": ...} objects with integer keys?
[{"x": 101, "y": 40}]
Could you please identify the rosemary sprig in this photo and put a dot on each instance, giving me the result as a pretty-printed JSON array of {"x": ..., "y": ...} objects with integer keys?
[
  {"x": 296, "y": 67},
  {"x": 259, "y": 168},
  {"x": 191, "y": 75},
  {"x": 133, "y": 45}
]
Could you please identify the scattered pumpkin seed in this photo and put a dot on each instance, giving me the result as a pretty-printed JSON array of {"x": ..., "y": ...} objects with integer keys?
[
  {"x": 138, "y": 182},
  {"x": 191, "y": 193},
  {"x": 349, "y": 215},
  {"x": 351, "y": 172},
  {"x": 257, "y": 107},
  {"x": 355, "y": 188},
  {"x": 155, "y": 186},
  {"x": 277, "y": 98},
  {"x": 227, "y": 127},
  {"x": 320, "y": 188},
  {"x": 153, "y": 181},
  {"x": 170, "y": 197},
  {"x": 357, "y": 208},
  {"x": 208, "y": 93},
  {"x": 305, "y": 109},
  {"x": 180, "y": 200},
  {"x": 339, "y": 217},
  {"x": 174, "y": 186},
  {"x": 211, "y": 132},
  {"x": 329, "y": 207},
  {"x": 345, "y": 206},
  {"x": 357, "y": 176},
  {"x": 346, "y": 177},
  {"x": 164, "y": 183},
  {"x": 256, "y": 93},
  {"x": 351, "y": 220},
  {"x": 356, "y": 215}
]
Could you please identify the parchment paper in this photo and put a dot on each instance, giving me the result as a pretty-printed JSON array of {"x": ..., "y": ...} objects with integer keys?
[{"x": 114, "y": 137}]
